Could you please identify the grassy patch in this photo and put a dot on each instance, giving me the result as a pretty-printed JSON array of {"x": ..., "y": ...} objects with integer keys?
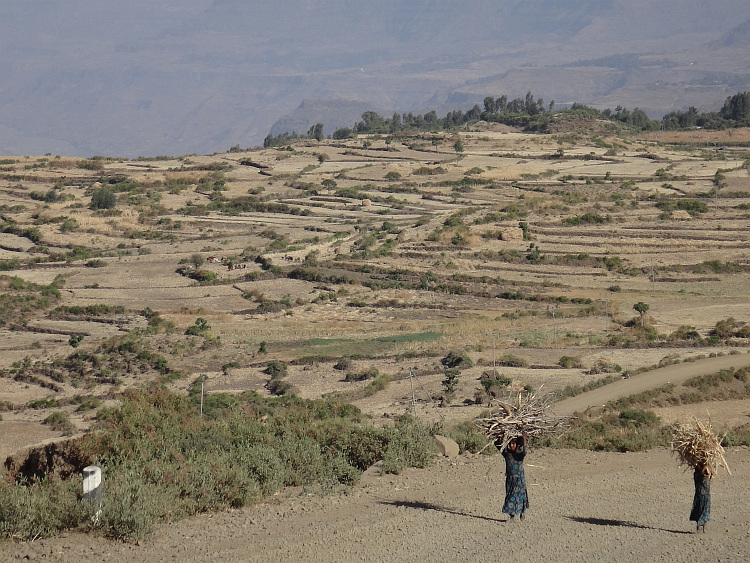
[
  {"x": 413, "y": 337},
  {"x": 325, "y": 341}
]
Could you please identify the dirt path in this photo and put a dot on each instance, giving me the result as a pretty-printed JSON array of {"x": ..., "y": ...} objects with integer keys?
[
  {"x": 585, "y": 506},
  {"x": 648, "y": 380}
]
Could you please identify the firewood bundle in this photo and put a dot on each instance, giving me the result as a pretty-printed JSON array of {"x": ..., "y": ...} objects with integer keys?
[
  {"x": 697, "y": 446},
  {"x": 526, "y": 412}
]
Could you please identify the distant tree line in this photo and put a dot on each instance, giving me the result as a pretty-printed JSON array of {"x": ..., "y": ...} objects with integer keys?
[
  {"x": 315, "y": 132},
  {"x": 734, "y": 113},
  {"x": 530, "y": 114}
]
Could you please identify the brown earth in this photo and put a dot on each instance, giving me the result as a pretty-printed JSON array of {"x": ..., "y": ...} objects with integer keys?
[{"x": 585, "y": 506}]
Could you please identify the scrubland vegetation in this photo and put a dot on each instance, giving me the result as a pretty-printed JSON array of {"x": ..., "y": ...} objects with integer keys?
[{"x": 163, "y": 461}]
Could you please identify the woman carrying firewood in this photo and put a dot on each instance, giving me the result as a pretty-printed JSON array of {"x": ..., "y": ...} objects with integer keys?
[
  {"x": 701, "y": 512},
  {"x": 516, "y": 497},
  {"x": 509, "y": 430}
]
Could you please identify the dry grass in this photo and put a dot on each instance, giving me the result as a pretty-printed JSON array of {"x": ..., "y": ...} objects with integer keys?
[{"x": 697, "y": 446}]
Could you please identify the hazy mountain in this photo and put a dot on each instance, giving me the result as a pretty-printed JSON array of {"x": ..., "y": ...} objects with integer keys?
[
  {"x": 180, "y": 76},
  {"x": 332, "y": 113}
]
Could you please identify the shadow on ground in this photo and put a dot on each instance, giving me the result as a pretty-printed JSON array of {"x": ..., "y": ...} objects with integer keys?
[
  {"x": 620, "y": 523},
  {"x": 429, "y": 506}
]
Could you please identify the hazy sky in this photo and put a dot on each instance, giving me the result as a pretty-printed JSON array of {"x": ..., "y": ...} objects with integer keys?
[{"x": 134, "y": 77}]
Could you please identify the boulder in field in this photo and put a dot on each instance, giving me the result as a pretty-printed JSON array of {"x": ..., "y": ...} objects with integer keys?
[{"x": 446, "y": 446}]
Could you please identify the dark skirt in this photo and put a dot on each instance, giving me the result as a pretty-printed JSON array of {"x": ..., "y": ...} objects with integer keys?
[
  {"x": 701, "y": 512},
  {"x": 516, "y": 497}
]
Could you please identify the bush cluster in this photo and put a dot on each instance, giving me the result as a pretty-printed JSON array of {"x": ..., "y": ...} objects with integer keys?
[
  {"x": 369, "y": 373},
  {"x": 509, "y": 360},
  {"x": 162, "y": 461},
  {"x": 627, "y": 430},
  {"x": 457, "y": 359},
  {"x": 492, "y": 382}
]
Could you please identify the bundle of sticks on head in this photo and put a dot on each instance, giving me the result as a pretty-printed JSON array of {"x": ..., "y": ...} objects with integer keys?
[
  {"x": 698, "y": 447},
  {"x": 526, "y": 412}
]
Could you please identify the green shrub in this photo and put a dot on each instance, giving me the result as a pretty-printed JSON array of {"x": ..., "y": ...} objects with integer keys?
[
  {"x": 587, "y": 219},
  {"x": 33, "y": 234},
  {"x": 603, "y": 366},
  {"x": 86, "y": 403},
  {"x": 75, "y": 340},
  {"x": 67, "y": 312},
  {"x": 510, "y": 360},
  {"x": 280, "y": 387},
  {"x": 276, "y": 369},
  {"x": 456, "y": 359},
  {"x": 12, "y": 264},
  {"x": 344, "y": 364},
  {"x": 569, "y": 362},
  {"x": 42, "y": 403},
  {"x": 728, "y": 328},
  {"x": 736, "y": 437},
  {"x": 378, "y": 384},
  {"x": 469, "y": 438},
  {"x": 132, "y": 508},
  {"x": 450, "y": 381},
  {"x": 624, "y": 431},
  {"x": 59, "y": 422},
  {"x": 91, "y": 164},
  {"x": 491, "y": 382},
  {"x": 638, "y": 418},
  {"x": 370, "y": 373},
  {"x": 200, "y": 327},
  {"x": 203, "y": 276},
  {"x": 410, "y": 444},
  {"x": 685, "y": 332},
  {"x": 103, "y": 198},
  {"x": 41, "y": 509}
]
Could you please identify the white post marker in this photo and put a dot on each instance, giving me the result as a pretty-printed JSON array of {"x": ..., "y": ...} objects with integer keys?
[{"x": 92, "y": 488}]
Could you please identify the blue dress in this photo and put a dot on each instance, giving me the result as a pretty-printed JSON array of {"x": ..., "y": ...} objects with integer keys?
[
  {"x": 516, "y": 497},
  {"x": 701, "y": 512}
]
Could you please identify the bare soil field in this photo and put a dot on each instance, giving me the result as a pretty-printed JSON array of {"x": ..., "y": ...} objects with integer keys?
[
  {"x": 585, "y": 506},
  {"x": 360, "y": 265}
]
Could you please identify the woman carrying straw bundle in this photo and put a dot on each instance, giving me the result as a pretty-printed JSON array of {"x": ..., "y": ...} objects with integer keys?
[
  {"x": 516, "y": 496},
  {"x": 698, "y": 447}
]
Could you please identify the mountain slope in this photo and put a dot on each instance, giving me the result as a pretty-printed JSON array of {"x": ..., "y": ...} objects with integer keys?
[{"x": 173, "y": 77}]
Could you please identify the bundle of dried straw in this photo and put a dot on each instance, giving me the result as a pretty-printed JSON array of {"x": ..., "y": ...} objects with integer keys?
[
  {"x": 697, "y": 446},
  {"x": 526, "y": 412}
]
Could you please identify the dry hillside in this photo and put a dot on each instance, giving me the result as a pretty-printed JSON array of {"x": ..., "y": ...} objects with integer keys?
[{"x": 375, "y": 255}]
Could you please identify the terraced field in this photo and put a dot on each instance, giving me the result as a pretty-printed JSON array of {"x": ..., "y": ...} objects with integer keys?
[{"x": 389, "y": 252}]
